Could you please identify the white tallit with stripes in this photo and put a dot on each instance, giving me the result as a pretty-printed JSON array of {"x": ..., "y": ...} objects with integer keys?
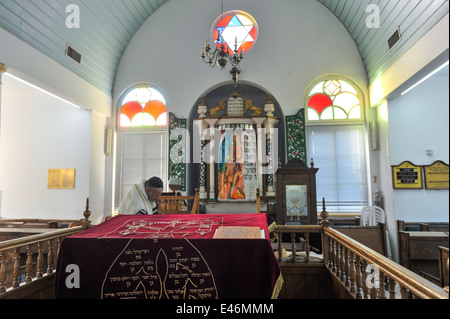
[{"x": 136, "y": 202}]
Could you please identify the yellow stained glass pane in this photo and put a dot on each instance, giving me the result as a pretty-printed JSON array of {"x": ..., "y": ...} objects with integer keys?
[
  {"x": 162, "y": 119},
  {"x": 327, "y": 114},
  {"x": 355, "y": 113},
  {"x": 346, "y": 100},
  {"x": 332, "y": 87},
  {"x": 312, "y": 115},
  {"x": 124, "y": 121},
  {"x": 143, "y": 119},
  {"x": 339, "y": 114},
  {"x": 318, "y": 88},
  {"x": 143, "y": 95},
  {"x": 345, "y": 87}
]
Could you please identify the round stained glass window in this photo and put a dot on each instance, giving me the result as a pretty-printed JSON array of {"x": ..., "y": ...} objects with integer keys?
[{"x": 236, "y": 30}]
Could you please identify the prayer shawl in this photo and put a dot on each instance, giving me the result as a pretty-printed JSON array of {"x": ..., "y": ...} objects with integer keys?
[{"x": 136, "y": 202}]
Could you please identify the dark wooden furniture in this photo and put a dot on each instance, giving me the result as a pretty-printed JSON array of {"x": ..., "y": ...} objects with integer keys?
[
  {"x": 422, "y": 226},
  {"x": 174, "y": 204},
  {"x": 443, "y": 266},
  {"x": 296, "y": 174},
  {"x": 373, "y": 237},
  {"x": 419, "y": 250}
]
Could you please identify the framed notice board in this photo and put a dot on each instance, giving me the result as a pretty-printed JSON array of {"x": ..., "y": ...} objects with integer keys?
[
  {"x": 436, "y": 175},
  {"x": 407, "y": 176},
  {"x": 61, "y": 179}
]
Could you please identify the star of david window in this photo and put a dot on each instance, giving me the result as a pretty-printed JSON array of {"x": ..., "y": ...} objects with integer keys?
[{"x": 237, "y": 30}]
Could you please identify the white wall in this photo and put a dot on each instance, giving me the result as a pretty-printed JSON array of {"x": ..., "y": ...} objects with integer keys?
[
  {"x": 419, "y": 121},
  {"x": 40, "y": 132},
  {"x": 298, "y": 42}
]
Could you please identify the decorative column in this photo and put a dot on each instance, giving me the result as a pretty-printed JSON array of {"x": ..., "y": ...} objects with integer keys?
[
  {"x": 202, "y": 110},
  {"x": 211, "y": 161},
  {"x": 259, "y": 148},
  {"x": 271, "y": 153}
]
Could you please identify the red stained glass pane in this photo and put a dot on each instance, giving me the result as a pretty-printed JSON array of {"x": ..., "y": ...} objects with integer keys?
[
  {"x": 224, "y": 22},
  {"x": 246, "y": 46},
  {"x": 130, "y": 109},
  {"x": 319, "y": 102},
  {"x": 155, "y": 108},
  {"x": 253, "y": 33}
]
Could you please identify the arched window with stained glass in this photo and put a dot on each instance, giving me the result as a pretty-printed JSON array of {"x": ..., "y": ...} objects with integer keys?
[
  {"x": 335, "y": 139},
  {"x": 334, "y": 99},
  {"x": 142, "y": 107}
]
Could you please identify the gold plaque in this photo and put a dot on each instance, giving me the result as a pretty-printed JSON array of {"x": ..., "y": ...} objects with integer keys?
[
  {"x": 61, "y": 179},
  {"x": 436, "y": 175},
  {"x": 407, "y": 176}
]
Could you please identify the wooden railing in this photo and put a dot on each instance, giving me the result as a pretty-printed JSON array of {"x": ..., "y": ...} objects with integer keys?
[
  {"x": 361, "y": 271},
  {"x": 368, "y": 274},
  {"x": 40, "y": 253}
]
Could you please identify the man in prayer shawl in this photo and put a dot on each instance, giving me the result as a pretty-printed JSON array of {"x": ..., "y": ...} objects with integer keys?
[{"x": 141, "y": 198}]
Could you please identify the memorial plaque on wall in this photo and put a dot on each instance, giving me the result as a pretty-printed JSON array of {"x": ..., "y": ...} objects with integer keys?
[
  {"x": 407, "y": 176},
  {"x": 436, "y": 175},
  {"x": 61, "y": 179}
]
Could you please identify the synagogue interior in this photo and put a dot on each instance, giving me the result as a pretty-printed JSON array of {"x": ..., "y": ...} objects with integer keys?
[{"x": 300, "y": 149}]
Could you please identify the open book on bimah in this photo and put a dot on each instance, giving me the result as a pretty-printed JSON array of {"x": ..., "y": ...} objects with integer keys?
[{"x": 239, "y": 232}]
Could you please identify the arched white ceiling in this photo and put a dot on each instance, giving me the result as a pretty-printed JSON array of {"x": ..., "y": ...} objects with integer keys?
[{"x": 106, "y": 27}]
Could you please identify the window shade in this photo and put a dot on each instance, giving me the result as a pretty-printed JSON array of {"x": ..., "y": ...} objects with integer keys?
[
  {"x": 140, "y": 156},
  {"x": 339, "y": 153}
]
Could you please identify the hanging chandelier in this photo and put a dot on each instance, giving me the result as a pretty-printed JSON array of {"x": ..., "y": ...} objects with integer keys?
[
  {"x": 221, "y": 56},
  {"x": 231, "y": 32}
]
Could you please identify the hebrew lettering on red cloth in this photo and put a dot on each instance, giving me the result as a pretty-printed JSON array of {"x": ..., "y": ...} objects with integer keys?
[
  {"x": 168, "y": 257},
  {"x": 172, "y": 226}
]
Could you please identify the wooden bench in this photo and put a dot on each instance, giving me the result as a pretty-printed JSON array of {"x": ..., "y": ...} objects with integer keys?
[
  {"x": 175, "y": 204},
  {"x": 38, "y": 223},
  {"x": 373, "y": 237},
  {"x": 443, "y": 266},
  {"x": 419, "y": 250},
  {"x": 422, "y": 226}
]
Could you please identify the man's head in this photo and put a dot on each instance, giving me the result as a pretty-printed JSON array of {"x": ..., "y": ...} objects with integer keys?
[{"x": 153, "y": 188}]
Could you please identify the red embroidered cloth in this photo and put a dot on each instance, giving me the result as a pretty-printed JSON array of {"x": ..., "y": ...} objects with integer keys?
[
  {"x": 172, "y": 226},
  {"x": 168, "y": 257}
]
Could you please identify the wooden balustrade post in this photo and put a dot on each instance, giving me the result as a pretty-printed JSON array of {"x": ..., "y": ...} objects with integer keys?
[
  {"x": 392, "y": 284},
  {"x": 347, "y": 268},
  {"x": 50, "y": 258},
  {"x": 352, "y": 273},
  {"x": 307, "y": 247},
  {"x": 338, "y": 260},
  {"x": 333, "y": 255},
  {"x": 358, "y": 278},
  {"x": 382, "y": 288},
  {"x": 40, "y": 261},
  {"x": 3, "y": 273},
  {"x": 294, "y": 250},
  {"x": 16, "y": 268},
  {"x": 29, "y": 265},
  {"x": 342, "y": 275},
  {"x": 324, "y": 215},
  {"x": 86, "y": 222},
  {"x": 364, "y": 280},
  {"x": 404, "y": 292}
]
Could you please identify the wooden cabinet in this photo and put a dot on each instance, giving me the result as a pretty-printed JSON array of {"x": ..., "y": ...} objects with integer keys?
[{"x": 296, "y": 194}]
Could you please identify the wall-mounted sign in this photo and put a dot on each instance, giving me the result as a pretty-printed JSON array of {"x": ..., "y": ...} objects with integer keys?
[
  {"x": 436, "y": 175},
  {"x": 407, "y": 176},
  {"x": 61, "y": 179}
]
